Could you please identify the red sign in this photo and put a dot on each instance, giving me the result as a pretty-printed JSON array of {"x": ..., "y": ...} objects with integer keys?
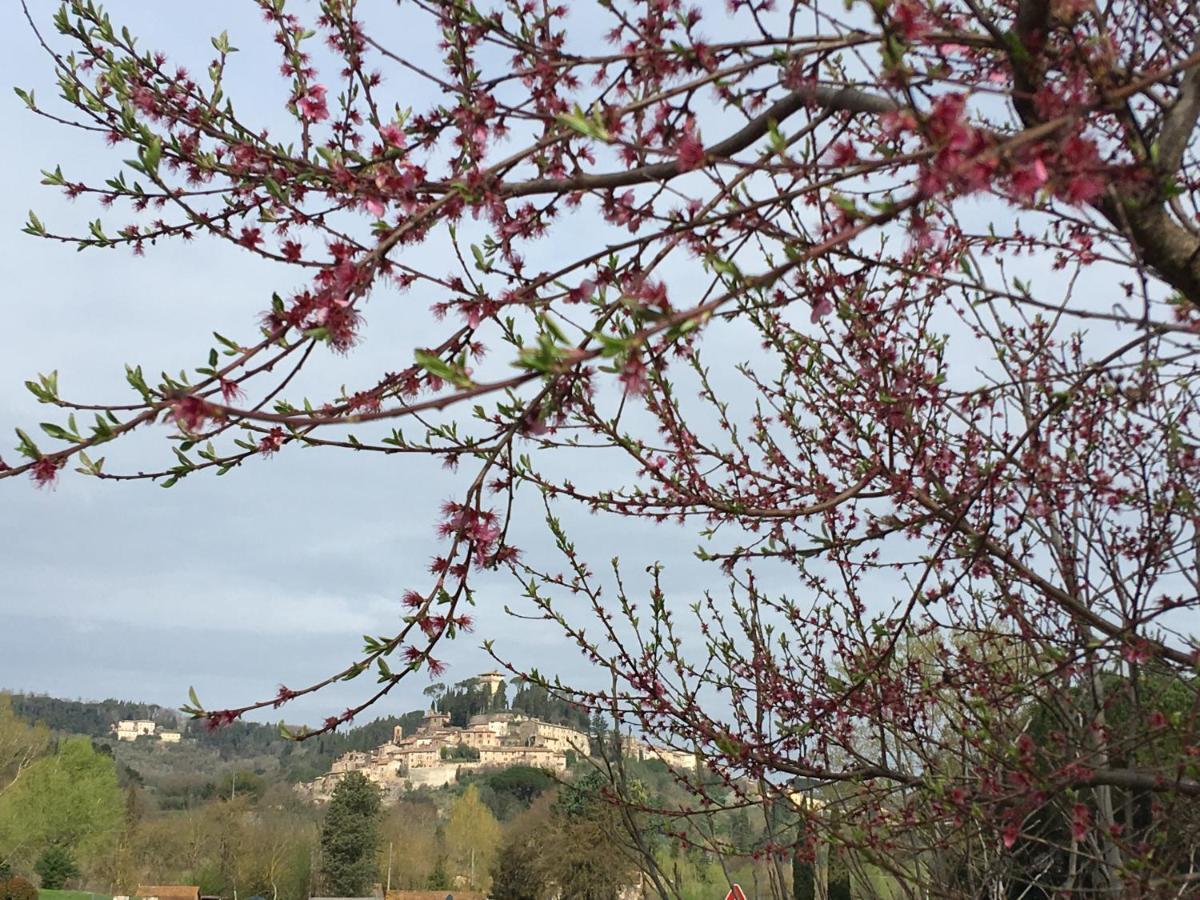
[{"x": 736, "y": 893}]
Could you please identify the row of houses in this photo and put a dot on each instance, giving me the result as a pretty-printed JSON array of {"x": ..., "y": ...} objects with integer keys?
[{"x": 435, "y": 753}]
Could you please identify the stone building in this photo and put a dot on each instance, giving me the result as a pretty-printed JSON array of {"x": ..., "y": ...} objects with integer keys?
[
  {"x": 539, "y": 757},
  {"x": 491, "y": 680},
  {"x": 641, "y": 750},
  {"x": 562, "y": 738},
  {"x": 478, "y": 737},
  {"x": 498, "y": 721}
]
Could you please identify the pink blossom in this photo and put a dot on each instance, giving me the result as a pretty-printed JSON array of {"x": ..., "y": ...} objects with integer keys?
[
  {"x": 190, "y": 414},
  {"x": 312, "y": 104},
  {"x": 220, "y": 718},
  {"x": 1083, "y": 189},
  {"x": 1027, "y": 180},
  {"x": 271, "y": 442},
  {"x": 230, "y": 391},
  {"x": 393, "y": 135},
  {"x": 45, "y": 471},
  {"x": 1081, "y": 818},
  {"x": 1135, "y": 652},
  {"x": 633, "y": 375},
  {"x": 250, "y": 238},
  {"x": 1010, "y": 834},
  {"x": 585, "y": 290},
  {"x": 843, "y": 153},
  {"x": 283, "y": 695},
  {"x": 689, "y": 152},
  {"x": 907, "y": 16}
]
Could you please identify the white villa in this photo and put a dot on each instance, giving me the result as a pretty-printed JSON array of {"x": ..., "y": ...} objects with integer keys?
[{"x": 132, "y": 729}]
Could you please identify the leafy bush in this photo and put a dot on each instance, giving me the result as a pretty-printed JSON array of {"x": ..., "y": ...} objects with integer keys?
[
  {"x": 17, "y": 888},
  {"x": 460, "y": 751}
]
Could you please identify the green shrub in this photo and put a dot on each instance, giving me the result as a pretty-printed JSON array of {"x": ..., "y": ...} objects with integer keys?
[{"x": 56, "y": 867}]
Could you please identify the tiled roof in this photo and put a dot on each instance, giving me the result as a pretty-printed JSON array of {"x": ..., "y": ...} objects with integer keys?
[{"x": 169, "y": 891}]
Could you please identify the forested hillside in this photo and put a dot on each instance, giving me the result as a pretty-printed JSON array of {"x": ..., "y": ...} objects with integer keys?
[
  {"x": 196, "y": 766},
  {"x": 93, "y": 718}
]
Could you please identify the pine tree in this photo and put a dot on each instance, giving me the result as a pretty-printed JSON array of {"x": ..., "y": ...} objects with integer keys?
[
  {"x": 517, "y": 874},
  {"x": 56, "y": 867},
  {"x": 438, "y": 879},
  {"x": 522, "y": 868},
  {"x": 350, "y": 837}
]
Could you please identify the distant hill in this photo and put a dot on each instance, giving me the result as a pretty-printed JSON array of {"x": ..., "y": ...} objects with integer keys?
[
  {"x": 180, "y": 772},
  {"x": 203, "y": 754},
  {"x": 90, "y": 718}
]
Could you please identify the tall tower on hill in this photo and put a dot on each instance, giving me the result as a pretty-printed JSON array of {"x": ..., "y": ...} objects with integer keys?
[{"x": 492, "y": 680}]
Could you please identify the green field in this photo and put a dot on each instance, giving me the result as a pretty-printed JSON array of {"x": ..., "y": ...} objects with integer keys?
[{"x": 72, "y": 895}]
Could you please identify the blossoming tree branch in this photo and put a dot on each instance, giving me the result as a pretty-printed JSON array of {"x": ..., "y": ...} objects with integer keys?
[{"x": 963, "y": 240}]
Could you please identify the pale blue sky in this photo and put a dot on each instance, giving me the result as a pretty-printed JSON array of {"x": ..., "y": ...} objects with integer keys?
[
  {"x": 230, "y": 584},
  {"x": 270, "y": 574}
]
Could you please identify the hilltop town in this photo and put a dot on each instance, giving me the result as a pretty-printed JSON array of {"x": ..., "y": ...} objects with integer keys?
[{"x": 436, "y": 751}]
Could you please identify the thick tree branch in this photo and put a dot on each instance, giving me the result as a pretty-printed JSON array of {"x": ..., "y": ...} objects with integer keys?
[
  {"x": 1179, "y": 123},
  {"x": 1166, "y": 245},
  {"x": 836, "y": 99},
  {"x": 1025, "y": 46}
]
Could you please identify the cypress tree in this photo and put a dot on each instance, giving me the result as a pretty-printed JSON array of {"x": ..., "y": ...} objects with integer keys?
[
  {"x": 350, "y": 838},
  {"x": 803, "y": 884}
]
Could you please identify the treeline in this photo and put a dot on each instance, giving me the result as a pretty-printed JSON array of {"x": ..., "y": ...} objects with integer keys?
[
  {"x": 471, "y": 698},
  {"x": 71, "y": 815},
  {"x": 521, "y": 834},
  {"x": 534, "y": 700}
]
